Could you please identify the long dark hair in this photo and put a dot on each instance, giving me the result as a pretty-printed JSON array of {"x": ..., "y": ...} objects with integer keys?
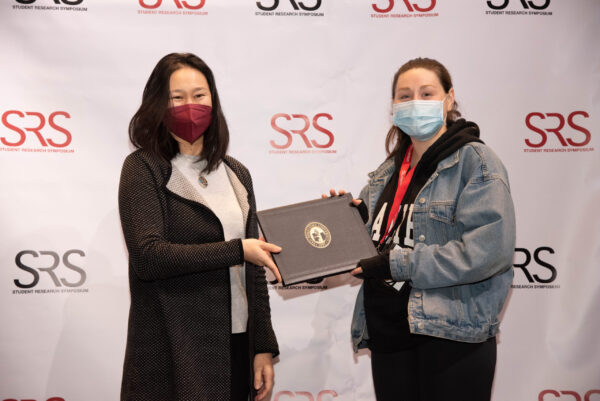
[
  {"x": 395, "y": 136},
  {"x": 146, "y": 128}
]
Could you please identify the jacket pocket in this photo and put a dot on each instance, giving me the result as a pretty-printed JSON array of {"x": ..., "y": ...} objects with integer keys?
[
  {"x": 443, "y": 211},
  {"x": 442, "y": 222},
  {"x": 443, "y": 304}
]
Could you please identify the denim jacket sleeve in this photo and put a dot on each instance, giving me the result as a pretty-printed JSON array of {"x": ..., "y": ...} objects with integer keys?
[{"x": 478, "y": 230}]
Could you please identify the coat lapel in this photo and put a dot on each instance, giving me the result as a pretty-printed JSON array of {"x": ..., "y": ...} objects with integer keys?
[
  {"x": 240, "y": 193},
  {"x": 179, "y": 185}
]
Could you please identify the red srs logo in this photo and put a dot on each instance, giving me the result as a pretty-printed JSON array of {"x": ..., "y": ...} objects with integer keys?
[
  {"x": 302, "y": 131},
  {"x": 178, "y": 3},
  {"x": 29, "y": 399},
  {"x": 284, "y": 395},
  {"x": 556, "y": 122},
  {"x": 34, "y": 128},
  {"x": 410, "y": 7},
  {"x": 571, "y": 395}
]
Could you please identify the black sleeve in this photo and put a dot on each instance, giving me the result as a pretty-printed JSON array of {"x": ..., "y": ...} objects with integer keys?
[
  {"x": 376, "y": 267},
  {"x": 364, "y": 212},
  {"x": 152, "y": 256}
]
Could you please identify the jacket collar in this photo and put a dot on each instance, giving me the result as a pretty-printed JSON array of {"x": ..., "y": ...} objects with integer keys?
[
  {"x": 387, "y": 167},
  {"x": 448, "y": 161},
  {"x": 383, "y": 171}
]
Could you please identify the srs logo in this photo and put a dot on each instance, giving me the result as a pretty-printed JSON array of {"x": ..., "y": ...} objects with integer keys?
[
  {"x": 408, "y": 9},
  {"x": 290, "y": 8},
  {"x": 31, "y": 399},
  {"x": 539, "y": 274},
  {"x": 324, "y": 395},
  {"x": 319, "y": 140},
  {"x": 172, "y": 7},
  {"x": 565, "y": 395},
  {"x": 524, "y": 7},
  {"x": 556, "y": 129},
  {"x": 180, "y": 4},
  {"x": 32, "y": 128},
  {"x": 49, "y": 5},
  {"x": 67, "y": 2},
  {"x": 40, "y": 263},
  {"x": 526, "y": 4},
  {"x": 296, "y": 5}
]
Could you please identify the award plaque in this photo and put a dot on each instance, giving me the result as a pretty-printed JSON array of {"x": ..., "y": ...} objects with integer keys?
[{"x": 319, "y": 238}]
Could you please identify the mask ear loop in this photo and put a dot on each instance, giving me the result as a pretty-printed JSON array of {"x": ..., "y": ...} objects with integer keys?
[
  {"x": 449, "y": 109},
  {"x": 446, "y": 115}
]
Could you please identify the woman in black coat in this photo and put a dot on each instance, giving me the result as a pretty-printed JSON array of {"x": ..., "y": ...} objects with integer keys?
[{"x": 199, "y": 322}]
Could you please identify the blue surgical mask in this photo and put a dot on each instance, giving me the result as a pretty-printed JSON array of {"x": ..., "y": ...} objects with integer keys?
[{"x": 419, "y": 119}]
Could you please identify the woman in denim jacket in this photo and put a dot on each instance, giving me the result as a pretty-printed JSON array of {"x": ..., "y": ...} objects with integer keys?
[{"x": 440, "y": 212}]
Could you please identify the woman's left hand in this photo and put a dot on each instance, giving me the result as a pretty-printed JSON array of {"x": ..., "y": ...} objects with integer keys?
[
  {"x": 258, "y": 252},
  {"x": 263, "y": 376},
  {"x": 332, "y": 193}
]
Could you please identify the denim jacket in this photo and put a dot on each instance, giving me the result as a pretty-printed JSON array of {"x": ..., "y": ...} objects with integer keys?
[{"x": 464, "y": 233}]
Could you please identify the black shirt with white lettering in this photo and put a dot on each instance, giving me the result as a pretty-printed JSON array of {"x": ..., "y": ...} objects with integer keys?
[{"x": 386, "y": 301}]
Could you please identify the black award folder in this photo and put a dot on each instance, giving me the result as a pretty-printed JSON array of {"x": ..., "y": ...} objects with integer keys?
[{"x": 318, "y": 238}]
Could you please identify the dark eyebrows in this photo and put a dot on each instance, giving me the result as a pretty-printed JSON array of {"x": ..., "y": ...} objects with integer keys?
[
  {"x": 421, "y": 87},
  {"x": 199, "y": 88}
]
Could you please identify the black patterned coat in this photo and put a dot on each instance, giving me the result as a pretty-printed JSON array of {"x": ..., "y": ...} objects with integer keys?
[{"x": 178, "y": 340}]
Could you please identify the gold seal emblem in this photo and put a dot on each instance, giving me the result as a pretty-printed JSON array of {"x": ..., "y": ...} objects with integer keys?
[{"x": 317, "y": 234}]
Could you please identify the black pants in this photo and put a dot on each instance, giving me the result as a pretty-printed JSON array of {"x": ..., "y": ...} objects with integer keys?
[
  {"x": 437, "y": 370},
  {"x": 240, "y": 367}
]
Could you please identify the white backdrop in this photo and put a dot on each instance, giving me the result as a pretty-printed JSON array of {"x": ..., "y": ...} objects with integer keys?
[{"x": 71, "y": 76}]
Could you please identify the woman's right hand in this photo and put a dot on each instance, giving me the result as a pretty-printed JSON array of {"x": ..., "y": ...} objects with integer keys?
[
  {"x": 258, "y": 252},
  {"x": 341, "y": 192}
]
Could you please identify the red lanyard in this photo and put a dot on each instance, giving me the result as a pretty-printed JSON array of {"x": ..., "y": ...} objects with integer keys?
[{"x": 404, "y": 178}]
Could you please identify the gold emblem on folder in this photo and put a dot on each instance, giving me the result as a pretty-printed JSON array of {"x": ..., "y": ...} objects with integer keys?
[{"x": 317, "y": 234}]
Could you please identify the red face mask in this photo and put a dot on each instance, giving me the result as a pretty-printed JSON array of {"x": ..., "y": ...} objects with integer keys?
[{"x": 188, "y": 121}]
